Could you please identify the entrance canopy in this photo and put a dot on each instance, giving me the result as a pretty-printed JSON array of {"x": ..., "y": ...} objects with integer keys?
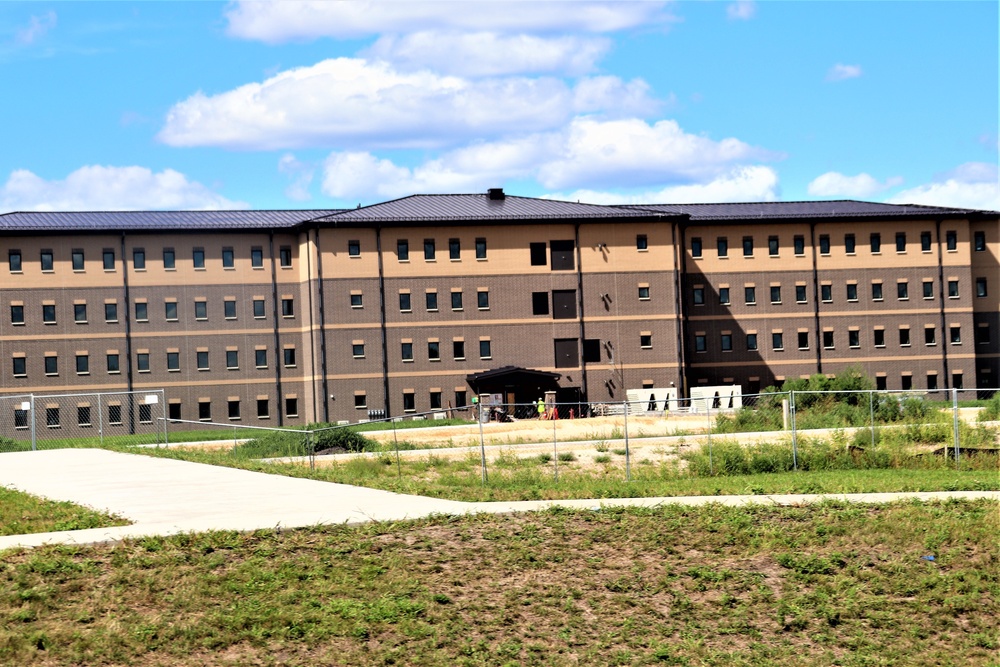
[{"x": 516, "y": 384}]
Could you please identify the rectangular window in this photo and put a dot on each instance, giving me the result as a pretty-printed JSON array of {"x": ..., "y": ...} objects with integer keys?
[
  {"x": 78, "y": 261},
  {"x": 700, "y": 343},
  {"x": 285, "y": 256},
  {"x": 643, "y": 294},
  {"x": 202, "y": 359},
  {"x": 52, "y": 417},
  {"x": 641, "y": 242},
  {"x": 904, "y": 337},
  {"x": 233, "y": 408},
  {"x": 777, "y": 341},
  {"x": 539, "y": 303},
  {"x": 485, "y": 349},
  {"x": 354, "y": 248},
  {"x": 775, "y": 294},
  {"x": 434, "y": 351},
  {"x": 82, "y": 364},
  {"x": 853, "y": 338},
  {"x": 170, "y": 310},
  {"x": 404, "y": 302},
  {"x": 724, "y": 296},
  {"x": 800, "y": 245},
  {"x": 256, "y": 257},
  {"x": 727, "y": 342},
  {"x": 852, "y": 291},
  {"x": 20, "y": 418},
  {"x": 983, "y": 334},
  {"x": 932, "y": 381},
  {"x": 138, "y": 259},
  {"x": 142, "y": 362},
  {"x": 47, "y": 262},
  {"x": 145, "y": 414},
  {"x": 141, "y": 311},
  {"x": 198, "y": 258},
  {"x": 878, "y": 337},
  {"x": 979, "y": 241},
  {"x": 17, "y": 314},
  {"x": 696, "y": 247},
  {"x": 288, "y": 307},
  {"x": 403, "y": 250},
  {"x": 645, "y": 341},
  {"x": 229, "y": 309},
  {"x": 563, "y": 255},
  {"x": 951, "y": 240},
  {"x": 564, "y": 304},
  {"x": 409, "y": 402},
  {"x": 929, "y": 337},
  {"x": 14, "y": 260},
  {"x": 406, "y": 351},
  {"x": 169, "y": 259},
  {"x": 480, "y": 248},
  {"x": 800, "y": 293},
  {"x": 456, "y": 301},
  {"x": 52, "y": 365},
  {"x": 113, "y": 363},
  {"x": 722, "y": 246},
  {"x": 258, "y": 308},
  {"x": 291, "y": 407},
  {"x": 698, "y": 296},
  {"x": 876, "y": 291},
  {"x": 876, "y": 243},
  {"x": 228, "y": 258},
  {"x": 751, "y": 341},
  {"x": 80, "y": 313},
  {"x": 49, "y": 314},
  {"x": 111, "y": 312},
  {"x": 567, "y": 354},
  {"x": 260, "y": 358},
  {"x": 288, "y": 357},
  {"x": 173, "y": 361},
  {"x": 204, "y": 410},
  {"x": 538, "y": 254},
  {"x": 748, "y": 246},
  {"x": 232, "y": 360},
  {"x": 900, "y": 241},
  {"x": 849, "y": 244},
  {"x": 902, "y": 290},
  {"x": 360, "y": 401},
  {"x": 200, "y": 310},
  {"x": 83, "y": 415},
  {"x": 952, "y": 289},
  {"x": 20, "y": 366},
  {"x": 828, "y": 340},
  {"x": 454, "y": 249},
  {"x": 928, "y": 286},
  {"x": 357, "y": 301},
  {"x": 429, "y": 250},
  {"x": 458, "y": 349},
  {"x": 772, "y": 246},
  {"x": 263, "y": 408},
  {"x": 925, "y": 241},
  {"x": 955, "y": 335},
  {"x": 824, "y": 244},
  {"x": 431, "y": 301},
  {"x": 981, "y": 287},
  {"x": 803, "y": 340},
  {"x": 750, "y": 295},
  {"x": 461, "y": 399},
  {"x": 591, "y": 351}
]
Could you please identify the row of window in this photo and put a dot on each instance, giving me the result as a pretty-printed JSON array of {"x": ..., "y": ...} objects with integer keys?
[
  {"x": 826, "y": 292},
  {"x": 170, "y": 311},
  {"x": 434, "y": 350},
  {"x": 457, "y": 300},
  {"x": 829, "y": 341},
  {"x": 142, "y": 361},
  {"x": 430, "y": 249},
  {"x": 850, "y": 244},
  {"x": 410, "y": 401},
  {"x": 78, "y": 259}
]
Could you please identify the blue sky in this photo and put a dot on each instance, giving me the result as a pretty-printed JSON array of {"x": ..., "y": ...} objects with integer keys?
[{"x": 200, "y": 105}]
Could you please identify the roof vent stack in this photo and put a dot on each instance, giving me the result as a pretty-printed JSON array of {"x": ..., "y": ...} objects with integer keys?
[{"x": 496, "y": 194}]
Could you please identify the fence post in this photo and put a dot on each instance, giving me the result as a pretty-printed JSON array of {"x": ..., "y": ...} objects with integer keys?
[
  {"x": 795, "y": 437},
  {"x": 555, "y": 448},
  {"x": 163, "y": 401},
  {"x": 482, "y": 444},
  {"x": 34, "y": 441},
  {"x": 708, "y": 417},
  {"x": 628, "y": 452},
  {"x": 871, "y": 413},
  {"x": 954, "y": 404}
]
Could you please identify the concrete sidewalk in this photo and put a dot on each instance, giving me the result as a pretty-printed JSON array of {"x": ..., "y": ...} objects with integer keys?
[{"x": 165, "y": 497}]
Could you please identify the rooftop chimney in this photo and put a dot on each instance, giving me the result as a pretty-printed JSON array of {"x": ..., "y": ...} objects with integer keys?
[{"x": 496, "y": 194}]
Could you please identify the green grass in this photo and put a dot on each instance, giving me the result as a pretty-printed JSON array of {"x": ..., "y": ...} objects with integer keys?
[
  {"x": 22, "y": 513},
  {"x": 833, "y": 584}
]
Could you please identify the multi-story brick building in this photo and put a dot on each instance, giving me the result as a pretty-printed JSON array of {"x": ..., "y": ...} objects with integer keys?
[{"x": 287, "y": 317}]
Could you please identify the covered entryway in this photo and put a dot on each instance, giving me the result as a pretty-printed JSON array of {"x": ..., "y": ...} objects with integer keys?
[{"x": 516, "y": 385}]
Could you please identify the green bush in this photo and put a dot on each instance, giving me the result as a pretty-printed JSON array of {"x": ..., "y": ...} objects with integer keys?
[
  {"x": 991, "y": 412},
  {"x": 340, "y": 438}
]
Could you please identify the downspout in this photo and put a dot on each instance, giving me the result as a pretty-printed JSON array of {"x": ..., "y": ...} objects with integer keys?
[
  {"x": 817, "y": 333},
  {"x": 278, "y": 355},
  {"x": 128, "y": 339},
  {"x": 381, "y": 309},
  {"x": 579, "y": 299},
  {"x": 680, "y": 270},
  {"x": 312, "y": 330},
  {"x": 945, "y": 342},
  {"x": 322, "y": 329}
]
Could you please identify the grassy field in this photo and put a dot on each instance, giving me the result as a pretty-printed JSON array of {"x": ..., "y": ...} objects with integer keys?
[
  {"x": 832, "y": 584},
  {"x": 22, "y": 513}
]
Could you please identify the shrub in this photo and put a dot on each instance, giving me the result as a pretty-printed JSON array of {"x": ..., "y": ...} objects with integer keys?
[
  {"x": 989, "y": 413},
  {"x": 340, "y": 438}
]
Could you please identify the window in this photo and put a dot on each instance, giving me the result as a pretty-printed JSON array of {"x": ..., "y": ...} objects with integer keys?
[
  {"x": 700, "y": 344},
  {"x": 803, "y": 340},
  {"x": 49, "y": 314},
  {"x": 256, "y": 257},
  {"x": 409, "y": 402},
  {"x": 751, "y": 341},
  {"x": 434, "y": 350},
  {"x": 83, "y": 364},
  {"x": 800, "y": 245},
  {"x": 777, "y": 341},
  {"x": 78, "y": 261},
  {"x": 142, "y": 362},
  {"x": 983, "y": 334},
  {"x": 925, "y": 241},
  {"x": 285, "y": 256},
  {"x": 696, "y": 249},
  {"x": 800, "y": 293},
  {"x": 456, "y": 301},
  {"x": 567, "y": 354},
  {"x": 879, "y": 337},
  {"x": 17, "y": 314},
  {"x": 641, "y": 242},
  {"x": 563, "y": 304},
  {"x": 538, "y": 255},
  {"x": 981, "y": 287},
  {"x": 169, "y": 259},
  {"x": 228, "y": 258},
  {"x": 139, "y": 259},
  {"x": 483, "y": 300},
  {"x": 852, "y": 291},
  {"x": 52, "y": 417},
  {"x": 360, "y": 401},
  {"x": 876, "y": 243},
  {"x": 591, "y": 351},
  {"x": 357, "y": 301},
  {"x": 480, "y": 248},
  {"x": 20, "y": 418},
  {"x": 288, "y": 356},
  {"x": 258, "y": 308},
  {"x": 173, "y": 361},
  {"x": 354, "y": 248},
  {"x": 141, "y": 311},
  {"x": 724, "y": 296},
  {"x": 563, "y": 255},
  {"x": 485, "y": 349},
  {"x": 775, "y": 294},
  {"x": 260, "y": 358},
  {"x": 748, "y": 246},
  {"x": 928, "y": 286},
  {"x": 288, "y": 307},
  {"x": 83, "y": 415},
  {"x": 229, "y": 309},
  {"x": 902, "y": 290},
  {"x": 643, "y": 294},
  {"x": 826, "y": 293},
  {"x": 876, "y": 291},
  {"x": 645, "y": 340},
  {"x": 429, "y": 251},
  {"x": 853, "y": 338},
  {"x": 52, "y": 365},
  {"x": 849, "y": 244},
  {"x": 113, "y": 364},
  {"x": 458, "y": 349},
  {"x": 828, "y": 340},
  {"x": 539, "y": 303},
  {"x": 232, "y": 360},
  {"x": 80, "y": 313},
  {"x": 722, "y": 245},
  {"x": 170, "y": 310},
  {"x": 750, "y": 295},
  {"x": 929, "y": 337},
  {"x": 403, "y": 250},
  {"x": 200, "y": 310},
  {"x": 979, "y": 241},
  {"x": 460, "y": 398},
  {"x": 111, "y": 312},
  {"x": 20, "y": 366},
  {"x": 233, "y": 408},
  {"x": 47, "y": 261},
  {"x": 904, "y": 337},
  {"x": 431, "y": 300},
  {"x": 906, "y": 382},
  {"x": 698, "y": 296},
  {"x": 824, "y": 244},
  {"x": 932, "y": 380},
  {"x": 727, "y": 342},
  {"x": 951, "y": 240},
  {"x": 454, "y": 249},
  {"x": 202, "y": 359},
  {"x": 14, "y": 260},
  {"x": 263, "y": 408},
  {"x": 406, "y": 350},
  {"x": 404, "y": 302},
  {"x": 955, "y": 335},
  {"x": 198, "y": 258},
  {"x": 952, "y": 289},
  {"x": 900, "y": 241},
  {"x": 291, "y": 407},
  {"x": 772, "y": 246}
]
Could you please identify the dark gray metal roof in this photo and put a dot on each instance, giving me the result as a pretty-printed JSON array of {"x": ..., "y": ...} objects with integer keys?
[
  {"x": 841, "y": 208},
  {"x": 154, "y": 220},
  {"x": 442, "y": 208}
]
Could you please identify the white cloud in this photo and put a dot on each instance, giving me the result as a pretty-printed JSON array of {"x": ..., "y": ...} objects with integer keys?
[
  {"x": 971, "y": 185},
  {"x": 742, "y": 184},
  {"x": 36, "y": 28},
  {"x": 301, "y": 176},
  {"x": 489, "y": 53},
  {"x": 99, "y": 188},
  {"x": 350, "y": 102},
  {"x": 742, "y": 10},
  {"x": 841, "y": 72},
  {"x": 833, "y": 184},
  {"x": 275, "y": 22}
]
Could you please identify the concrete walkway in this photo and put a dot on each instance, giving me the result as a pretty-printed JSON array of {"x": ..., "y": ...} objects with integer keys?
[{"x": 165, "y": 497}]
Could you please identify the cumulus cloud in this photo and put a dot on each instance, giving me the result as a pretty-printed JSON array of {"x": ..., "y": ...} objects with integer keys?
[
  {"x": 98, "y": 187},
  {"x": 276, "y": 22},
  {"x": 742, "y": 10},
  {"x": 741, "y": 184},
  {"x": 489, "y": 53},
  {"x": 834, "y": 184},
  {"x": 351, "y": 102},
  {"x": 300, "y": 174},
  {"x": 841, "y": 72},
  {"x": 36, "y": 28},
  {"x": 971, "y": 185}
]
